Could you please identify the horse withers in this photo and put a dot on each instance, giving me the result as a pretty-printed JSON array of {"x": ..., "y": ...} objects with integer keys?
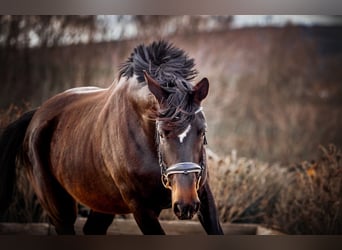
[{"x": 137, "y": 147}]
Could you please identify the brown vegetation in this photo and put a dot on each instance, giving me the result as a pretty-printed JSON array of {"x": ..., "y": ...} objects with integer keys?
[
  {"x": 304, "y": 198},
  {"x": 274, "y": 95}
]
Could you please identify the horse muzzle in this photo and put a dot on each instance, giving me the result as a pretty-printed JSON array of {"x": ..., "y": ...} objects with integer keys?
[
  {"x": 185, "y": 211},
  {"x": 183, "y": 180}
]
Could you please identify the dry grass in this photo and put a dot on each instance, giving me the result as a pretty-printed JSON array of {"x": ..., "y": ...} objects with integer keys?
[
  {"x": 305, "y": 198},
  {"x": 25, "y": 206},
  {"x": 10, "y": 114},
  {"x": 312, "y": 203}
]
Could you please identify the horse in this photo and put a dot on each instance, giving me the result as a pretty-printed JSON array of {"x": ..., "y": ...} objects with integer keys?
[{"x": 136, "y": 147}]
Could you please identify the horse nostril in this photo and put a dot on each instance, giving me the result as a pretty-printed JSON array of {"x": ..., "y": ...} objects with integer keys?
[
  {"x": 177, "y": 208},
  {"x": 196, "y": 206}
]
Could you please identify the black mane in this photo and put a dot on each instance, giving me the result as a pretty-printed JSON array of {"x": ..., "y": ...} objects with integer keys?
[
  {"x": 173, "y": 69},
  {"x": 164, "y": 63}
]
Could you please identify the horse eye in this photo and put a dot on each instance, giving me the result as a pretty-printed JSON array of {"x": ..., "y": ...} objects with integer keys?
[
  {"x": 164, "y": 134},
  {"x": 202, "y": 132}
]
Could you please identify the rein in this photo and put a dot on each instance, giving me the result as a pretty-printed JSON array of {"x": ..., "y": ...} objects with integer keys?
[{"x": 181, "y": 167}]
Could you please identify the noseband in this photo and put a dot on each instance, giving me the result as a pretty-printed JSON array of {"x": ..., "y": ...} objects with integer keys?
[{"x": 181, "y": 167}]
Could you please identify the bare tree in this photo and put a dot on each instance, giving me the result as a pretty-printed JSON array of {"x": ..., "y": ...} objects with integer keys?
[{"x": 46, "y": 31}]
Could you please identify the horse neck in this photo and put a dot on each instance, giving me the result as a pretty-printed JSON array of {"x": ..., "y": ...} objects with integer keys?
[{"x": 131, "y": 101}]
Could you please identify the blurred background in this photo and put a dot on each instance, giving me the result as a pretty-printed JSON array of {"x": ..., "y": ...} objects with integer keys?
[
  {"x": 275, "y": 87},
  {"x": 276, "y": 81}
]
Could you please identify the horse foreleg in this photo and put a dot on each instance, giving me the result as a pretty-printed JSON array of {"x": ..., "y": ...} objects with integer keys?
[
  {"x": 97, "y": 223},
  {"x": 207, "y": 213},
  {"x": 147, "y": 221}
]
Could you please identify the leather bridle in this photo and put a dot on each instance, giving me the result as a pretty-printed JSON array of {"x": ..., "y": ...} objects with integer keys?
[{"x": 181, "y": 167}]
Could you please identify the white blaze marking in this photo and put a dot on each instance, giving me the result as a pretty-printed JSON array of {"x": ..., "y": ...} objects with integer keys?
[{"x": 183, "y": 135}]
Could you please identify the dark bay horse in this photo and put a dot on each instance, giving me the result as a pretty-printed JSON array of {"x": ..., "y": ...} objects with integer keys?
[{"x": 136, "y": 147}]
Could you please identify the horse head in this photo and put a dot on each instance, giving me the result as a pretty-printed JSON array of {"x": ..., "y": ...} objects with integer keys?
[{"x": 180, "y": 130}]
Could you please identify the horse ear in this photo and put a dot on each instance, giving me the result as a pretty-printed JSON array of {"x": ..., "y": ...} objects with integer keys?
[
  {"x": 201, "y": 90},
  {"x": 155, "y": 87}
]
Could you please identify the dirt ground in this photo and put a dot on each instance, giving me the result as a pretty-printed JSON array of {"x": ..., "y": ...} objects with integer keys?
[{"x": 129, "y": 227}]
